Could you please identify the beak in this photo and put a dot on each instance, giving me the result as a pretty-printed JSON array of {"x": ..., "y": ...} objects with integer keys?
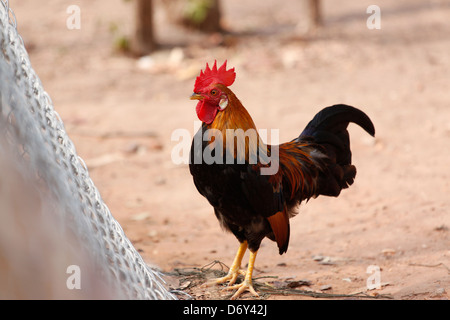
[{"x": 196, "y": 96}]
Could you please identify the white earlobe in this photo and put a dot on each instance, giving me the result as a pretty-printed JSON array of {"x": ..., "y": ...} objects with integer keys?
[{"x": 223, "y": 103}]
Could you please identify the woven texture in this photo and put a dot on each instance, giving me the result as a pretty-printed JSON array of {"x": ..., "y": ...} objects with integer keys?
[{"x": 68, "y": 213}]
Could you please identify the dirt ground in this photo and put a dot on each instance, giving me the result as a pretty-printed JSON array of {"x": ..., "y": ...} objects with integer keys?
[{"x": 121, "y": 113}]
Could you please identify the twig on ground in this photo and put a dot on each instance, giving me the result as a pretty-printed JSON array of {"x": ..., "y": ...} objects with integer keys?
[
  {"x": 195, "y": 276},
  {"x": 430, "y": 265}
]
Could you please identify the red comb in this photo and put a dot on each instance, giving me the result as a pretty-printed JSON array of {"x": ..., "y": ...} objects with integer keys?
[{"x": 214, "y": 75}]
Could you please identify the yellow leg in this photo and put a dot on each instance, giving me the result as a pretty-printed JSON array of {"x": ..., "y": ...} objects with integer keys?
[
  {"x": 235, "y": 268},
  {"x": 247, "y": 283}
]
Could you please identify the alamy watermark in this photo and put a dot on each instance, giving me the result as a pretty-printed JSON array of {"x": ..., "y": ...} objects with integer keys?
[
  {"x": 240, "y": 147},
  {"x": 374, "y": 280},
  {"x": 73, "y": 21},
  {"x": 74, "y": 280},
  {"x": 374, "y": 20}
]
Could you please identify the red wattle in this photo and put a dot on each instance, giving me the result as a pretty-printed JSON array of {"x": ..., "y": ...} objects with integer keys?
[{"x": 206, "y": 112}]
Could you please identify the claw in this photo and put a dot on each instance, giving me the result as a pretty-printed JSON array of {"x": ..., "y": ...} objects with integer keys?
[
  {"x": 235, "y": 271},
  {"x": 241, "y": 288},
  {"x": 247, "y": 284},
  {"x": 231, "y": 277}
]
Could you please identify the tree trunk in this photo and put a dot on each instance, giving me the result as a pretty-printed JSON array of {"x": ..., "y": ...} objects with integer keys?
[
  {"x": 143, "y": 41},
  {"x": 211, "y": 22},
  {"x": 202, "y": 15},
  {"x": 310, "y": 17},
  {"x": 315, "y": 13}
]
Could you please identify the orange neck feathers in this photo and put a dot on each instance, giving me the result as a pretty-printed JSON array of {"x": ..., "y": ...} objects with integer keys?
[{"x": 238, "y": 131}]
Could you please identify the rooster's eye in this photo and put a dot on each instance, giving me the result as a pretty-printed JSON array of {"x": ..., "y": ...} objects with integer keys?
[{"x": 213, "y": 92}]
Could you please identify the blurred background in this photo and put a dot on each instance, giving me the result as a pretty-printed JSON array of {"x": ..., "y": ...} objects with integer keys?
[{"x": 120, "y": 74}]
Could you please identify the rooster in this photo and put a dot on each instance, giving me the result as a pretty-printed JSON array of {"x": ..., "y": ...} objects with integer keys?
[{"x": 248, "y": 202}]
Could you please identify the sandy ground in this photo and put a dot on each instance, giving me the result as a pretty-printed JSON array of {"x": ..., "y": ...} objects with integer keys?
[{"x": 121, "y": 113}]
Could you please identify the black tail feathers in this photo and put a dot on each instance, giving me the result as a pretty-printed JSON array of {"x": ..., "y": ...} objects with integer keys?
[{"x": 328, "y": 129}]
